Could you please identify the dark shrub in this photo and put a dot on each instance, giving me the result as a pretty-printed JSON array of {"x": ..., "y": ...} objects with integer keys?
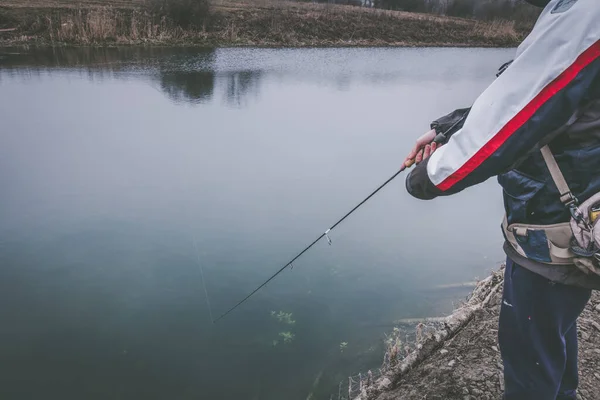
[{"x": 183, "y": 13}]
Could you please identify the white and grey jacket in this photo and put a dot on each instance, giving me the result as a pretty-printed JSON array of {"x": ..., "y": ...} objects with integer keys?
[{"x": 549, "y": 94}]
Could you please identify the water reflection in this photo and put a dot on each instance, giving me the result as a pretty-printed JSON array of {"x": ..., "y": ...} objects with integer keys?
[
  {"x": 241, "y": 84},
  {"x": 183, "y": 75},
  {"x": 186, "y": 78},
  {"x": 191, "y": 87},
  {"x": 194, "y": 76},
  {"x": 199, "y": 86}
]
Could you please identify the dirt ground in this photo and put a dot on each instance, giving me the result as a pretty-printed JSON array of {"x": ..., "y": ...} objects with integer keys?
[{"x": 468, "y": 366}]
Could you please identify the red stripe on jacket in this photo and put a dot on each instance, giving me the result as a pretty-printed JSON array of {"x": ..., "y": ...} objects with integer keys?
[{"x": 586, "y": 58}]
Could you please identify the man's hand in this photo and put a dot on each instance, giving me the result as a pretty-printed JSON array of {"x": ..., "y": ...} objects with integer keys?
[{"x": 424, "y": 147}]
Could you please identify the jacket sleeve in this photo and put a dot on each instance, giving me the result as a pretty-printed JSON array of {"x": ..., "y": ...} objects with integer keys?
[
  {"x": 549, "y": 79},
  {"x": 451, "y": 123}
]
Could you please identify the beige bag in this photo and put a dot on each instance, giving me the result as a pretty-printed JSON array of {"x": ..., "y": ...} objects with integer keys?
[
  {"x": 585, "y": 223},
  {"x": 548, "y": 244}
]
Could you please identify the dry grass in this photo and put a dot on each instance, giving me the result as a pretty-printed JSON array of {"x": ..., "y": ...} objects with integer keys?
[
  {"x": 98, "y": 25},
  {"x": 321, "y": 24},
  {"x": 70, "y": 3},
  {"x": 245, "y": 23},
  {"x": 498, "y": 29},
  {"x": 92, "y": 25}
]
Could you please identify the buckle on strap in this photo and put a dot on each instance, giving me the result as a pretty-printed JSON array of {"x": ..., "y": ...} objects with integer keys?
[
  {"x": 569, "y": 200},
  {"x": 576, "y": 213},
  {"x": 572, "y": 203}
]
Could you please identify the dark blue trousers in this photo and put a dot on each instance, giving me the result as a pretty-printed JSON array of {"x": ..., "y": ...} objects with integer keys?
[{"x": 538, "y": 336}]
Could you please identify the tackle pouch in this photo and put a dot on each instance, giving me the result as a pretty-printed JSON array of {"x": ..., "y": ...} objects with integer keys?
[
  {"x": 586, "y": 229},
  {"x": 548, "y": 244},
  {"x": 585, "y": 217}
]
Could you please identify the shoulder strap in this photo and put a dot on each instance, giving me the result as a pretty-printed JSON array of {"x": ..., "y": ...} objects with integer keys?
[{"x": 566, "y": 197}]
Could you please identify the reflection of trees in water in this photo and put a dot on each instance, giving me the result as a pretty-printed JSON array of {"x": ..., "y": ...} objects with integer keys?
[
  {"x": 193, "y": 87},
  {"x": 188, "y": 78},
  {"x": 183, "y": 75},
  {"x": 200, "y": 86},
  {"x": 91, "y": 58},
  {"x": 242, "y": 84}
]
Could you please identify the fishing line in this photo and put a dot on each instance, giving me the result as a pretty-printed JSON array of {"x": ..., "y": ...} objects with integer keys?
[
  {"x": 323, "y": 235},
  {"x": 203, "y": 280}
]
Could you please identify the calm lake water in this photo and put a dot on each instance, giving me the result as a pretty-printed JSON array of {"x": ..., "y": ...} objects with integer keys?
[{"x": 113, "y": 162}]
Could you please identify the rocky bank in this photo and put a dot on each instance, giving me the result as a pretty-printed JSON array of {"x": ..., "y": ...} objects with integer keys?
[{"x": 462, "y": 359}]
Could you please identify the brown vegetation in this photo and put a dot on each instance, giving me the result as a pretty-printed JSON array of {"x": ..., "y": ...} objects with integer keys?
[
  {"x": 240, "y": 23},
  {"x": 481, "y": 9}
]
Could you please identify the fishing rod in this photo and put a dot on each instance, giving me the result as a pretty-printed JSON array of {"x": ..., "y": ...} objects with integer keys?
[
  {"x": 440, "y": 138},
  {"x": 323, "y": 235}
]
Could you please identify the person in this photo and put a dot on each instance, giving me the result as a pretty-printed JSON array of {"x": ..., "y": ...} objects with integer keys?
[{"x": 548, "y": 95}]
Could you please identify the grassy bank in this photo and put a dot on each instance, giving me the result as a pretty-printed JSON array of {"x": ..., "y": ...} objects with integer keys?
[{"x": 241, "y": 23}]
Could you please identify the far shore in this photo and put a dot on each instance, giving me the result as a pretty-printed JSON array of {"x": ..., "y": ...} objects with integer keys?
[{"x": 230, "y": 23}]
